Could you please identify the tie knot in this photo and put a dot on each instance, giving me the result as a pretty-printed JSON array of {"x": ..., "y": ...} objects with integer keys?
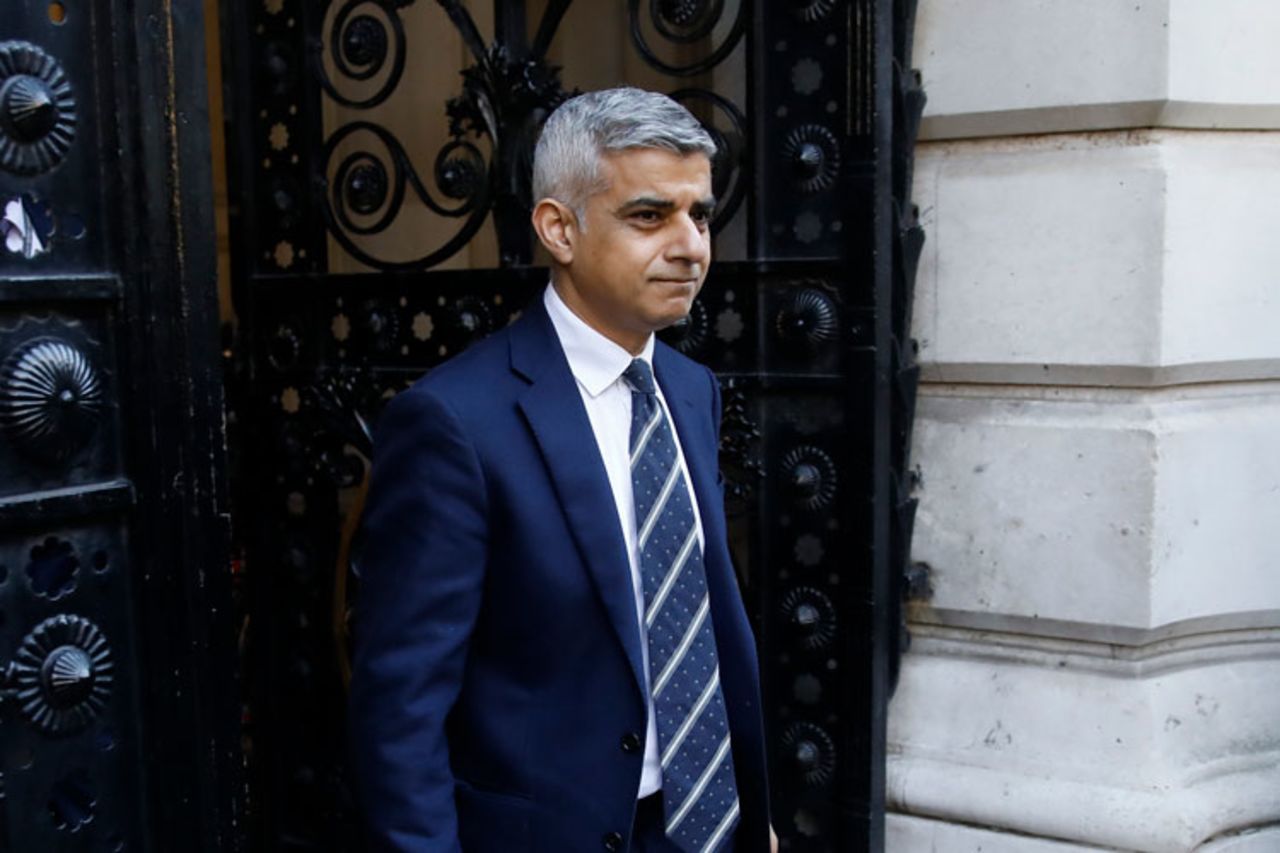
[{"x": 639, "y": 376}]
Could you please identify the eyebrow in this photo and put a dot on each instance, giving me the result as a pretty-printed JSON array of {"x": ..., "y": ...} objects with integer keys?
[{"x": 663, "y": 204}]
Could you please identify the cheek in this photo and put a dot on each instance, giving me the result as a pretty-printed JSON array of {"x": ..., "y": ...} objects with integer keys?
[{"x": 629, "y": 261}]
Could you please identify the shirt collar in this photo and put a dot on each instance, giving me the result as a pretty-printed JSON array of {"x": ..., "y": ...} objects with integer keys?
[{"x": 595, "y": 361}]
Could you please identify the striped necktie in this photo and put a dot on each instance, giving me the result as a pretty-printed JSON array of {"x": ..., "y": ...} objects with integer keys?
[{"x": 700, "y": 799}]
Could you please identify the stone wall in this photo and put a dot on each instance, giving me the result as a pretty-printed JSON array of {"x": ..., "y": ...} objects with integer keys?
[{"x": 1098, "y": 310}]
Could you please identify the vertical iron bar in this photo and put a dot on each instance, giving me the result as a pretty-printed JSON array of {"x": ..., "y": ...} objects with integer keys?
[
  {"x": 510, "y": 27},
  {"x": 551, "y": 17},
  {"x": 177, "y": 450},
  {"x": 863, "y": 803}
]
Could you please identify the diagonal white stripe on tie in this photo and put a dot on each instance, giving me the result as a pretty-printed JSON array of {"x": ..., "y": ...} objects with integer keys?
[
  {"x": 694, "y": 794},
  {"x": 678, "y": 655},
  {"x": 695, "y": 712},
  {"x": 651, "y": 612},
  {"x": 643, "y": 438},
  {"x": 726, "y": 823},
  {"x": 685, "y": 679},
  {"x": 658, "y": 504}
]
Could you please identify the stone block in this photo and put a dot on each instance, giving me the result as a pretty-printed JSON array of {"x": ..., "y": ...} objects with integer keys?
[
  {"x": 1160, "y": 751},
  {"x": 1102, "y": 514},
  {"x": 1135, "y": 259},
  {"x": 1221, "y": 296},
  {"x": 1001, "y": 67}
]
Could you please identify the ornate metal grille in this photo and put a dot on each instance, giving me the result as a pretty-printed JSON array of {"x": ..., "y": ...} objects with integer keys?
[{"x": 808, "y": 331}]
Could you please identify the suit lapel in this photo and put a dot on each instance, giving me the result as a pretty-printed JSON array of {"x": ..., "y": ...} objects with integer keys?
[
  {"x": 553, "y": 408},
  {"x": 693, "y": 422},
  {"x": 693, "y": 425}
]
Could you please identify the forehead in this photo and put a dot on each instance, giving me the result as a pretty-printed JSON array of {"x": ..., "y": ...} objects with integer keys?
[{"x": 655, "y": 171}]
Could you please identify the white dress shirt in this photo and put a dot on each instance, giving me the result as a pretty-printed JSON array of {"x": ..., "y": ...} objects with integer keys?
[{"x": 597, "y": 364}]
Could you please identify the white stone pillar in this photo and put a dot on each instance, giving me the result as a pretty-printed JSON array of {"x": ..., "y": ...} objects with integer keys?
[{"x": 1098, "y": 310}]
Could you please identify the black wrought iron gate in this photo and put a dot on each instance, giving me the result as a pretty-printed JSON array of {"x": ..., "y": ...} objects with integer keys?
[
  {"x": 807, "y": 329},
  {"x": 117, "y": 667}
]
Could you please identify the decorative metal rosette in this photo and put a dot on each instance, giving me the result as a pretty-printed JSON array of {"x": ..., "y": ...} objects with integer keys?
[
  {"x": 689, "y": 333},
  {"x": 471, "y": 317},
  {"x": 284, "y": 347},
  {"x": 685, "y": 21},
  {"x": 62, "y": 674},
  {"x": 50, "y": 398},
  {"x": 812, "y": 10},
  {"x": 365, "y": 186},
  {"x": 809, "y": 753},
  {"x": 810, "y": 474},
  {"x": 459, "y": 173},
  {"x": 810, "y": 617},
  {"x": 342, "y": 405},
  {"x": 364, "y": 47},
  {"x": 814, "y": 155},
  {"x": 808, "y": 318},
  {"x": 378, "y": 322},
  {"x": 37, "y": 109}
]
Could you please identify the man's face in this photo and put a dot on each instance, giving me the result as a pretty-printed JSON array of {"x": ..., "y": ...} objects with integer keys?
[{"x": 644, "y": 251}]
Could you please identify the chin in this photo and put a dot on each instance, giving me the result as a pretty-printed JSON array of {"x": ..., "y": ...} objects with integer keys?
[
  {"x": 671, "y": 309},
  {"x": 670, "y": 318}
]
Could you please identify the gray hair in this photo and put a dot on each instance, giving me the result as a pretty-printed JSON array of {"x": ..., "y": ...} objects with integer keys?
[{"x": 566, "y": 162}]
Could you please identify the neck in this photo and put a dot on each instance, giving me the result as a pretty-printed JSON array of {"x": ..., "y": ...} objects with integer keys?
[{"x": 632, "y": 342}]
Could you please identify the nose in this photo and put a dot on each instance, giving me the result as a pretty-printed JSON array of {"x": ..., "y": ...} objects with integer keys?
[{"x": 689, "y": 243}]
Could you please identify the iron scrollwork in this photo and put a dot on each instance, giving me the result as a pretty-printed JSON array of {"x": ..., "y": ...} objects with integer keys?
[
  {"x": 685, "y": 22},
  {"x": 506, "y": 95},
  {"x": 507, "y": 98},
  {"x": 359, "y": 45},
  {"x": 361, "y": 183},
  {"x": 366, "y": 190}
]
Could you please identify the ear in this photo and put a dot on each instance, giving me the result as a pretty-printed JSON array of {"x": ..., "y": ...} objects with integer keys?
[{"x": 557, "y": 228}]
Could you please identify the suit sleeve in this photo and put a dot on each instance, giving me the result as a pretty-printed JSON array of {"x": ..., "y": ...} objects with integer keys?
[{"x": 421, "y": 572}]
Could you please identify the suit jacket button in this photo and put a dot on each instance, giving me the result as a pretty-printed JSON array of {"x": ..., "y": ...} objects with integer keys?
[
  {"x": 613, "y": 842},
  {"x": 631, "y": 743}
]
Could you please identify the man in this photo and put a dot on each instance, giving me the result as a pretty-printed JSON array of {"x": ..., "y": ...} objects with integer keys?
[{"x": 551, "y": 650}]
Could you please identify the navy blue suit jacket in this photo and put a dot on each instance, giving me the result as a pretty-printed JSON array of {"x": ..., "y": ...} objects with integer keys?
[{"x": 497, "y": 665}]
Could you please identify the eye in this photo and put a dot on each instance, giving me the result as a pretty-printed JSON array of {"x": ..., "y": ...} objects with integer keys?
[
  {"x": 701, "y": 216},
  {"x": 646, "y": 216}
]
